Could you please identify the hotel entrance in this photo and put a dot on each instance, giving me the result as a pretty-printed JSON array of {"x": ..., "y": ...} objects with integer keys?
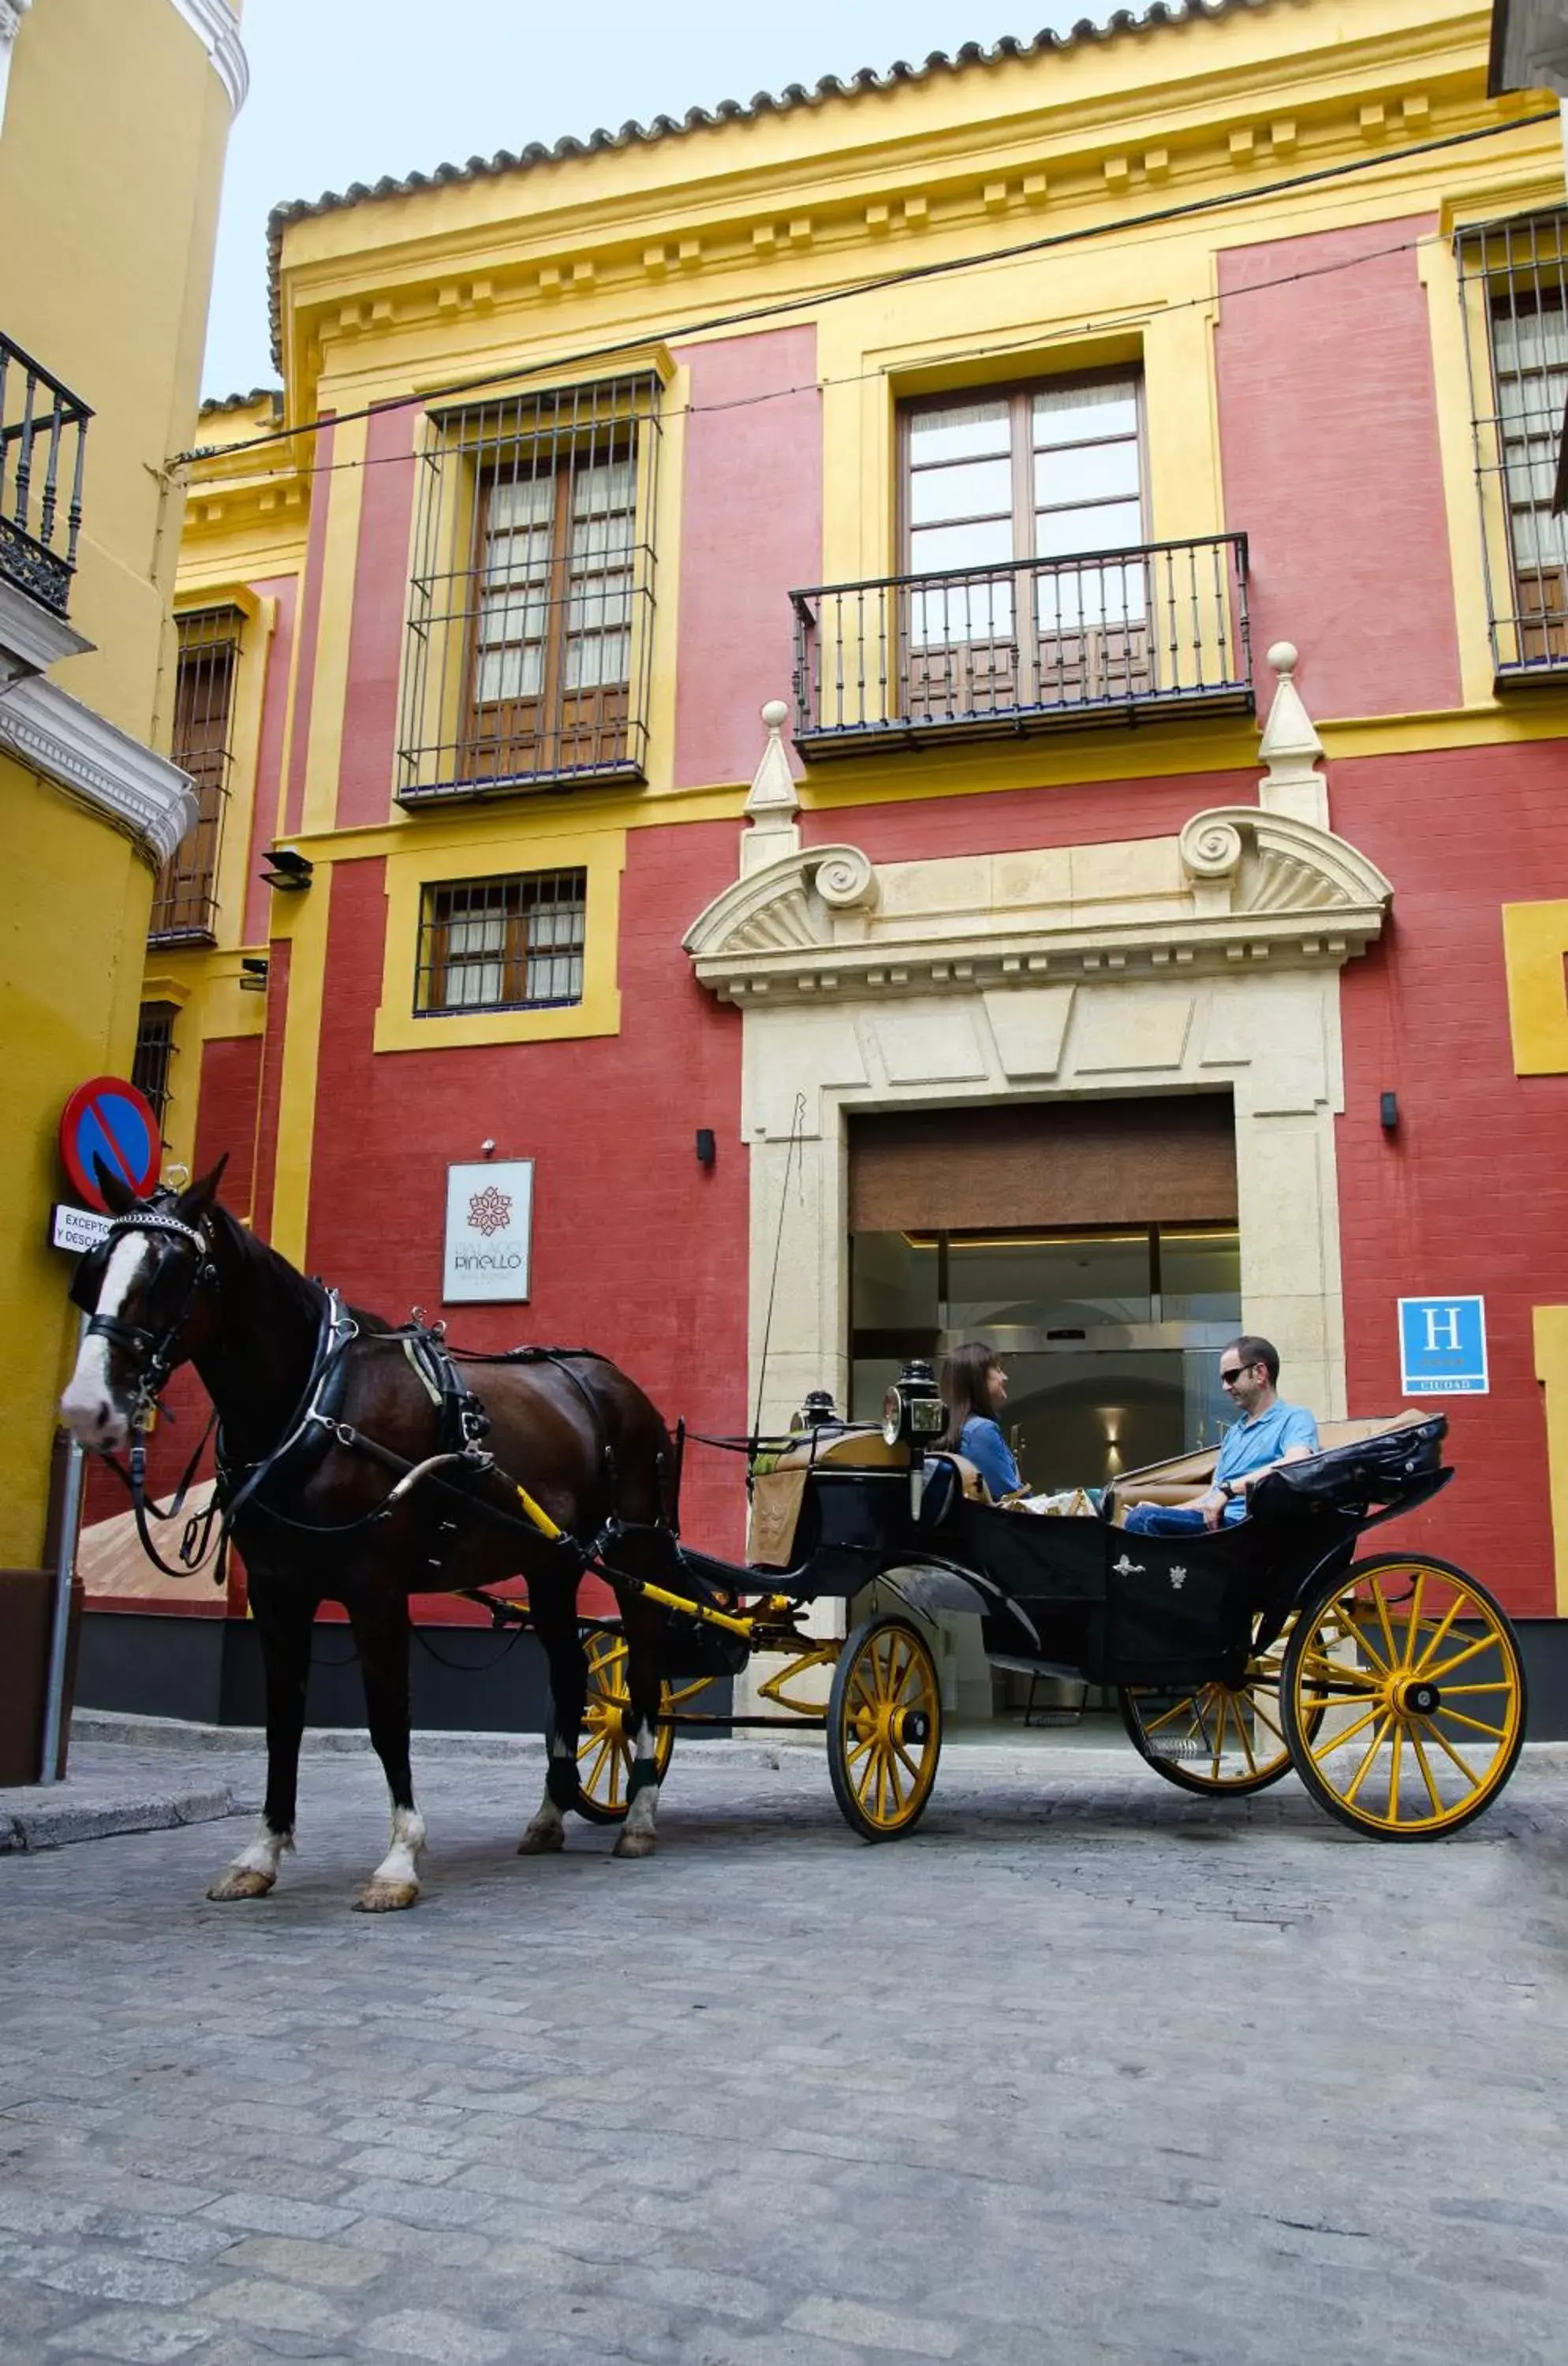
[{"x": 1094, "y": 1245}]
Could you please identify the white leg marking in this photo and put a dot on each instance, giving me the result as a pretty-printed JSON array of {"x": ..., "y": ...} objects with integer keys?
[
  {"x": 253, "y": 1872},
  {"x": 88, "y": 1404},
  {"x": 547, "y": 1833},
  {"x": 395, "y": 1881},
  {"x": 637, "y": 1832}
]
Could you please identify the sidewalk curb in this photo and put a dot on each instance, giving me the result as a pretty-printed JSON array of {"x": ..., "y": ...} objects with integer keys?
[
  {"x": 55, "y": 1824},
  {"x": 153, "y": 1733}
]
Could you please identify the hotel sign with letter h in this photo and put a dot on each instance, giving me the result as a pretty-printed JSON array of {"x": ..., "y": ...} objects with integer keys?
[{"x": 1442, "y": 1346}]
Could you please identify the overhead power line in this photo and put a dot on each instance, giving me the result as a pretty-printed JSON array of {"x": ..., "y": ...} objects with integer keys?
[{"x": 815, "y": 300}]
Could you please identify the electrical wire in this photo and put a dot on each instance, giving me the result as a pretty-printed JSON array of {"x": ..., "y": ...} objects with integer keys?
[{"x": 907, "y": 275}]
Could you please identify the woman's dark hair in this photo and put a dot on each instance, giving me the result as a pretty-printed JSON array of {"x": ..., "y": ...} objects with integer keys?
[{"x": 964, "y": 1386}]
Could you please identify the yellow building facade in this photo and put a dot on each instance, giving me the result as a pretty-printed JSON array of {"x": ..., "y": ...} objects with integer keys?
[{"x": 112, "y": 140}]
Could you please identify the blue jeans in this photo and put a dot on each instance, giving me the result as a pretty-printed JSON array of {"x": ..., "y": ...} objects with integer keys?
[{"x": 1163, "y": 1520}]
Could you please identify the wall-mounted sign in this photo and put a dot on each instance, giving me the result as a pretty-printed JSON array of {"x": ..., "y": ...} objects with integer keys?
[
  {"x": 490, "y": 1230},
  {"x": 76, "y": 1229},
  {"x": 108, "y": 1123},
  {"x": 1442, "y": 1346}
]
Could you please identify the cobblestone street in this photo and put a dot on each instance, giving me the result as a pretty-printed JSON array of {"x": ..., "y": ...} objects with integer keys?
[{"x": 1084, "y": 2071}]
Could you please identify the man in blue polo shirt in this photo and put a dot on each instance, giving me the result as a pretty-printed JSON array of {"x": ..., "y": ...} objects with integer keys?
[{"x": 1268, "y": 1432}]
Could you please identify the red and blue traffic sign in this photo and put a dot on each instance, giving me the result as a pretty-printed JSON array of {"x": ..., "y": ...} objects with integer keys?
[{"x": 108, "y": 1121}]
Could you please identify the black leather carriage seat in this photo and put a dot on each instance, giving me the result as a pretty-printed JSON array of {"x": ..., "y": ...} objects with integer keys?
[{"x": 1187, "y": 1476}]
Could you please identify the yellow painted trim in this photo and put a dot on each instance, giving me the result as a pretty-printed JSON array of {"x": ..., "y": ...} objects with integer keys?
[
  {"x": 1535, "y": 942},
  {"x": 305, "y": 926},
  {"x": 602, "y": 854},
  {"x": 340, "y": 556},
  {"x": 1551, "y": 1371},
  {"x": 1438, "y": 271}
]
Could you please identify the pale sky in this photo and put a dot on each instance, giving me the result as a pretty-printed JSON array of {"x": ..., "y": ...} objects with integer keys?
[{"x": 349, "y": 90}]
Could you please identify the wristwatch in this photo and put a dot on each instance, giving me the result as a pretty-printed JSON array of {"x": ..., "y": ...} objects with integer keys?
[{"x": 1226, "y": 1488}]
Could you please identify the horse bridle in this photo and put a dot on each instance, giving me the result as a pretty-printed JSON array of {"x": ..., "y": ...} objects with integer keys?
[{"x": 154, "y": 1349}]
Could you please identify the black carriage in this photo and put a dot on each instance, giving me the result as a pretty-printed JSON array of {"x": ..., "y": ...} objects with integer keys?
[{"x": 1393, "y": 1686}]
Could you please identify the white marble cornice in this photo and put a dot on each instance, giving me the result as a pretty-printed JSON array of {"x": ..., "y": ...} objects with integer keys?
[
  {"x": 11, "y": 15},
  {"x": 1240, "y": 887},
  {"x": 142, "y": 793},
  {"x": 215, "y": 25}
]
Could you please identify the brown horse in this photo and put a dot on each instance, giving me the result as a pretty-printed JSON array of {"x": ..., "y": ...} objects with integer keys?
[{"x": 321, "y": 1411}]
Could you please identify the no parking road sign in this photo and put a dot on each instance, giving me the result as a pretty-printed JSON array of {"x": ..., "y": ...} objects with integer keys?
[{"x": 108, "y": 1121}]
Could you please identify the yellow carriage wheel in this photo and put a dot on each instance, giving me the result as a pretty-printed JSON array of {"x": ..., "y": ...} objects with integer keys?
[
  {"x": 1214, "y": 1738},
  {"x": 604, "y": 1754},
  {"x": 883, "y": 1727},
  {"x": 1403, "y": 1698}
]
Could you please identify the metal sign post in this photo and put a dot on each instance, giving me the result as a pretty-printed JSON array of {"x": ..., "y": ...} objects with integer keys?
[{"x": 60, "y": 1628}]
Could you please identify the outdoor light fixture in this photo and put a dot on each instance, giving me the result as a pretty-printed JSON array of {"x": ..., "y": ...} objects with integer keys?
[
  {"x": 288, "y": 871},
  {"x": 1388, "y": 1112},
  {"x": 707, "y": 1153},
  {"x": 252, "y": 973}
]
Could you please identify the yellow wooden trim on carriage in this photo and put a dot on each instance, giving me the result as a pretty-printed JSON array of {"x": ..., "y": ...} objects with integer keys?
[
  {"x": 303, "y": 920},
  {"x": 820, "y": 1655},
  {"x": 1535, "y": 941},
  {"x": 1552, "y": 1371},
  {"x": 601, "y": 854},
  {"x": 689, "y": 1610},
  {"x": 538, "y": 1513}
]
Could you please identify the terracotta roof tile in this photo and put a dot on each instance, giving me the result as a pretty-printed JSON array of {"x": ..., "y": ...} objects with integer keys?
[{"x": 795, "y": 95}]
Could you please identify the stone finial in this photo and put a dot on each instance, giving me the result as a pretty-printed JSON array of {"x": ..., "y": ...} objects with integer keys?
[
  {"x": 774, "y": 801},
  {"x": 1290, "y": 747}
]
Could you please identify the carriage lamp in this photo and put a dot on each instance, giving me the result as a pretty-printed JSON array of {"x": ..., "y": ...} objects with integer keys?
[
  {"x": 285, "y": 868},
  {"x": 913, "y": 1410},
  {"x": 818, "y": 1412}
]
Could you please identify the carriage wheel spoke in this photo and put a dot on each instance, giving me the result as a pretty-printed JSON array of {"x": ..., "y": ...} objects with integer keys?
[
  {"x": 1487, "y": 1642},
  {"x": 1373, "y": 1749},
  {"x": 1337, "y": 1741},
  {"x": 1153, "y": 1724},
  {"x": 1433, "y": 1793},
  {"x": 1447, "y": 1620},
  {"x": 1493, "y": 1732},
  {"x": 1260, "y": 1711},
  {"x": 1335, "y": 1672},
  {"x": 1449, "y": 1751},
  {"x": 1413, "y": 1624},
  {"x": 1393, "y": 1764},
  {"x": 1245, "y": 1739},
  {"x": 1220, "y": 1732}
]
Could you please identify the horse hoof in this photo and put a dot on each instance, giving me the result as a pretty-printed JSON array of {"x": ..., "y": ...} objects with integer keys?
[
  {"x": 239, "y": 1881},
  {"x": 385, "y": 1897},
  {"x": 634, "y": 1844},
  {"x": 542, "y": 1840}
]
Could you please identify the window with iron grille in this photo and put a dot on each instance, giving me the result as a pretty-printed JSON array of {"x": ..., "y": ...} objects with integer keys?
[
  {"x": 1051, "y": 474},
  {"x": 502, "y": 944},
  {"x": 1513, "y": 290},
  {"x": 530, "y": 608},
  {"x": 154, "y": 1054},
  {"x": 184, "y": 903}
]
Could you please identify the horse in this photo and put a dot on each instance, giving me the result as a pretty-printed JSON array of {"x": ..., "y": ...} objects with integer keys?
[{"x": 319, "y": 1406}]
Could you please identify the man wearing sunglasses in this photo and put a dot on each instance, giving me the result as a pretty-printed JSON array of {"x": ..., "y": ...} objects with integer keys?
[{"x": 1267, "y": 1433}]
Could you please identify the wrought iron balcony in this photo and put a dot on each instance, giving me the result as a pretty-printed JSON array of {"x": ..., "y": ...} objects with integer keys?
[
  {"x": 1038, "y": 645},
  {"x": 43, "y": 441}
]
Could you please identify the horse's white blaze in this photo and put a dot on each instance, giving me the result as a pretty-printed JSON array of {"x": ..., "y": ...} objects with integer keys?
[
  {"x": 400, "y": 1863},
  {"x": 88, "y": 1404},
  {"x": 261, "y": 1853}
]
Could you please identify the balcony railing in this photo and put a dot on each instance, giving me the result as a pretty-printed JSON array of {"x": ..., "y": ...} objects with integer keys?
[
  {"x": 1038, "y": 645},
  {"x": 43, "y": 441}
]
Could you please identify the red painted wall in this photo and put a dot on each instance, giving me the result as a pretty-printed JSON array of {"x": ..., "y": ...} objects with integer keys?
[
  {"x": 279, "y": 961},
  {"x": 751, "y": 533},
  {"x": 381, "y": 603},
  {"x": 1005, "y": 821},
  {"x": 1328, "y": 439},
  {"x": 1471, "y": 1194},
  {"x": 637, "y": 1250},
  {"x": 226, "y": 1114},
  {"x": 264, "y": 812}
]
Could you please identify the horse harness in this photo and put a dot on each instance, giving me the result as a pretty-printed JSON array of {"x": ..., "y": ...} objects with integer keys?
[{"x": 455, "y": 1467}]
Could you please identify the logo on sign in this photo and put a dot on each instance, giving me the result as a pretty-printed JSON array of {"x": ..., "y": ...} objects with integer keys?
[
  {"x": 490, "y": 1212},
  {"x": 1442, "y": 1346}
]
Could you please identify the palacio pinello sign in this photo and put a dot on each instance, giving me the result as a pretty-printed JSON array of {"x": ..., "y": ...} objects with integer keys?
[{"x": 490, "y": 1226}]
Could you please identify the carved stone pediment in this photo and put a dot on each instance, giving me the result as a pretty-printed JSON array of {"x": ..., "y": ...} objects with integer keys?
[{"x": 1239, "y": 885}]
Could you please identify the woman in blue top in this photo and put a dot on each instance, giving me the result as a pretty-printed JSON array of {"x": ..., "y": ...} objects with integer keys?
[{"x": 975, "y": 1388}]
